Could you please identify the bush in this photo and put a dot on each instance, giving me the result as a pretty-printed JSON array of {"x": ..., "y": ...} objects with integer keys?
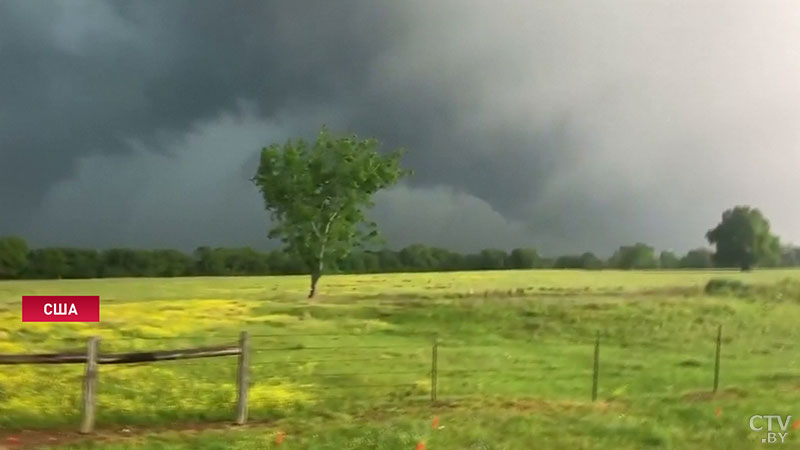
[
  {"x": 726, "y": 286},
  {"x": 785, "y": 290}
]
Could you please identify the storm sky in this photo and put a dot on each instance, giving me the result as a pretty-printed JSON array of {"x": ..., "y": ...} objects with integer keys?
[{"x": 565, "y": 126}]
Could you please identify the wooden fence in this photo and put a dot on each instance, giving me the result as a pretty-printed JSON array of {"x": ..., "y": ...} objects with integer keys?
[{"x": 92, "y": 358}]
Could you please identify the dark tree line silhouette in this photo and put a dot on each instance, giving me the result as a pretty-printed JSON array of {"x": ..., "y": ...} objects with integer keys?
[{"x": 17, "y": 261}]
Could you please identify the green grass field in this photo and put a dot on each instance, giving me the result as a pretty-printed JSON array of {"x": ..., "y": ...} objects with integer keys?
[{"x": 351, "y": 369}]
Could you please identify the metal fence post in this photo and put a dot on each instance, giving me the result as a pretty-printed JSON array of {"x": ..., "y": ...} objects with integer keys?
[
  {"x": 434, "y": 368},
  {"x": 596, "y": 368},
  {"x": 716, "y": 358}
]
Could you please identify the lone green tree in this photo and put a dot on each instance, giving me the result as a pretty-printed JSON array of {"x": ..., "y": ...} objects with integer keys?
[
  {"x": 743, "y": 239},
  {"x": 317, "y": 194}
]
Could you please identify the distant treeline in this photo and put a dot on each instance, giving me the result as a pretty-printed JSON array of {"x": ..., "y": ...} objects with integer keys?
[{"x": 19, "y": 262}]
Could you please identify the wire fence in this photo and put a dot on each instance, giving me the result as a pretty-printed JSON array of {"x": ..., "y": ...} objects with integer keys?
[{"x": 286, "y": 373}]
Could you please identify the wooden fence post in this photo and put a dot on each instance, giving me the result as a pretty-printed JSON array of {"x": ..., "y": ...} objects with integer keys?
[
  {"x": 243, "y": 378},
  {"x": 596, "y": 369},
  {"x": 90, "y": 386},
  {"x": 434, "y": 368},
  {"x": 716, "y": 358}
]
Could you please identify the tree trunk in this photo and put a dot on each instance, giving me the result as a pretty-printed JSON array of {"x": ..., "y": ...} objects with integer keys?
[
  {"x": 316, "y": 272},
  {"x": 315, "y": 276}
]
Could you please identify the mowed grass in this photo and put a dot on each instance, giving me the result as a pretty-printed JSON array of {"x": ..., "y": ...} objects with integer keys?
[{"x": 351, "y": 369}]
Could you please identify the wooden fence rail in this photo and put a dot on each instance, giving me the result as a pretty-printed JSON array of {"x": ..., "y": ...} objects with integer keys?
[
  {"x": 92, "y": 357},
  {"x": 122, "y": 358}
]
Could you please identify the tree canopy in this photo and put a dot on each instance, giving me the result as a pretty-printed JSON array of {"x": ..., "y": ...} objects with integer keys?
[
  {"x": 523, "y": 258},
  {"x": 13, "y": 256},
  {"x": 72, "y": 263},
  {"x": 317, "y": 194},
  {"x": 699, "y": 258},
  {"x": 743, "y": 239},
  {"x": 668, "y": 260},
  {"x": 637, "y": 256}
]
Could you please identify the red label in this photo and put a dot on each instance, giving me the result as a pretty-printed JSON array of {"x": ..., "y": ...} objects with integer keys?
[{"x": 60, "y": 308}]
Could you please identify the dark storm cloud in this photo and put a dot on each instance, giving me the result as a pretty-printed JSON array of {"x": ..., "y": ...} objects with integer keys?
[
  {"x": 150, "y": 70},
  {"x": 566, "y": 126},
  {"x": 71, "y": 88}
]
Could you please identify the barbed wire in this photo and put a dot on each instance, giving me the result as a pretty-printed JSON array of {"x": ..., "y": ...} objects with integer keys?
[
  {"x": 374, "y": 397},
  {"x": 423, "y": 365},
  {"x": 337, "y": 347},
  {"x": 357, "y": 386},
  {"x": 360, "y": 374},
  {"x": 314, "y": 361},
  {"x": 351, "y": 334}
]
